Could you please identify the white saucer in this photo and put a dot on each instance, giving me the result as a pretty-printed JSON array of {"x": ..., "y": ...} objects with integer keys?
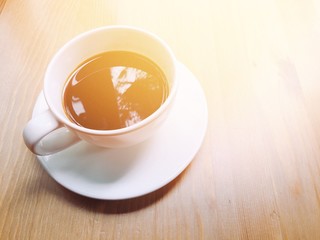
[{"x": 126, "y": 173}]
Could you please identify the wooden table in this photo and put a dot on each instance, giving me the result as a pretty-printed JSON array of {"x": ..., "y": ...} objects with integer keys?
[{"x": 257, "y": 174}]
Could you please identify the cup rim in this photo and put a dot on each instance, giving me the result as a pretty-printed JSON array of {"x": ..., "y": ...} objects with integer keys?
[{"x": 63, "y": 119}]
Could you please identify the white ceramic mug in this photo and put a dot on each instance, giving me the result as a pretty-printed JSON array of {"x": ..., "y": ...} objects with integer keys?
[{"x": 77, "y": 50}]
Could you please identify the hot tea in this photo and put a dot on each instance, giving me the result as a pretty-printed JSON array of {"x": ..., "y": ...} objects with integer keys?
[{"x": 113, "y": 90}]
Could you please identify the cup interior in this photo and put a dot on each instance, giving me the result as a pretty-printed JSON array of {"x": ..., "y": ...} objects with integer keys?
[{"x": 101, "y": 40}]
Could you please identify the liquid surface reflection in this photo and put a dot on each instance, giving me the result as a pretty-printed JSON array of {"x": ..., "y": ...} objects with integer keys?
[{"x": 114, "y": 90}]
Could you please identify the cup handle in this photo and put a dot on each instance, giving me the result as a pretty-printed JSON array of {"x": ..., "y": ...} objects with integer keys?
[{"x": 38, "y": 139}]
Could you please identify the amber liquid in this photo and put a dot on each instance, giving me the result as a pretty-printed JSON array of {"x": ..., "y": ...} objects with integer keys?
[{"x": 114, "y": 90}]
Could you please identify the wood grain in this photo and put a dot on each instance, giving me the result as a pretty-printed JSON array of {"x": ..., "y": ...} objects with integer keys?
[
  {"x": 257, "y": 174},
  {"x": 2, "y": 3}
]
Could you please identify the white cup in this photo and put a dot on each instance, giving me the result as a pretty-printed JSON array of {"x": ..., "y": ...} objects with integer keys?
[{"x": 77, "y": 50}]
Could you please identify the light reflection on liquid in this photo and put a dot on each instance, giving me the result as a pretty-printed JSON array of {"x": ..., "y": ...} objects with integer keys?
[{"x": 111, "y": 97}]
